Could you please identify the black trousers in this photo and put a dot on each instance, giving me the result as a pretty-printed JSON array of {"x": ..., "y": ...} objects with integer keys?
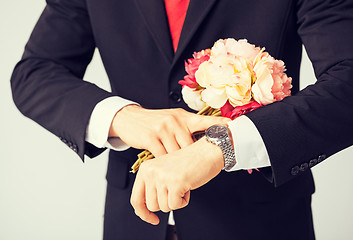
[{"x": 284, "y": 219}]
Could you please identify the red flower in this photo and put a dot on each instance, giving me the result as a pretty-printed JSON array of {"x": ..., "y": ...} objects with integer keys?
[
  {"x": 191, "y": 66},
  {"x": 233, "y": 112}
]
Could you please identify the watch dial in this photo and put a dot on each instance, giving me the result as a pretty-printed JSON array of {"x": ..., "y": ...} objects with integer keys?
[{"x": 217, "y": 131}]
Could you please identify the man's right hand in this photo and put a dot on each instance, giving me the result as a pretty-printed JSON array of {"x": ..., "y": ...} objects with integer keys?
[{"x": 159, "y": 131}]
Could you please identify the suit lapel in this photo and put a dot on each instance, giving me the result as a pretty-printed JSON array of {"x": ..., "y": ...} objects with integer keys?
[
  {"x": 155, "y": 17},
  {"x": 197, "y": 11}
]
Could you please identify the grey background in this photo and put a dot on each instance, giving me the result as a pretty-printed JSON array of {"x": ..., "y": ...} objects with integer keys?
[{"x": 47, "y": 193}]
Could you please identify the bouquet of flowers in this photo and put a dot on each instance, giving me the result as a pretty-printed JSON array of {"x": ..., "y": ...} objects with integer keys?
[{"x": 231, "y": 79}]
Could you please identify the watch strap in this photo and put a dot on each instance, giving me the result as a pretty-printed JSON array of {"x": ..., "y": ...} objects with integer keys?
[{"x": 228, "y": 154}]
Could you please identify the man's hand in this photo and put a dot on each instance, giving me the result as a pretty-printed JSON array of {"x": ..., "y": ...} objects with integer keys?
[
  {"x": 164, "y": 183},
  {"x": 159, "y": 131}
]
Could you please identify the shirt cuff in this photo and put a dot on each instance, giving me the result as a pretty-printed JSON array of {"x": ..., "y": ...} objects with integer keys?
[
  {"x": 250, "y": 150},
  {"x": 97, "y": 131}
]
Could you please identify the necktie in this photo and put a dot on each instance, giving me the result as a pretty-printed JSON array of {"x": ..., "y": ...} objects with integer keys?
[{"x": 176, "y": 12}]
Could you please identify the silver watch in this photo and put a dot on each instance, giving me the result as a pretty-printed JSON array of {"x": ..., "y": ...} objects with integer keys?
[{"x": 220, "y": 136}]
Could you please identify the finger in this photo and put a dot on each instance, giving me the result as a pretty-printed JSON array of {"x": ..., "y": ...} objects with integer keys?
[
  {"x": 156, "y": 148},
  {"x": 187, "y": 197},
  {"x": 177, "y": 199},
  {"x": 162, "y": 194},
  {"x": 138, "y": 203},
  {"x": 199, "y": 123},
  {"x": 151, "y": 199},
  {"x": 170, "y": 143},
  {"x": 180, "y": 130},
  {"x": 149, "y": 217},
  {"x": 184, "y": 138}
]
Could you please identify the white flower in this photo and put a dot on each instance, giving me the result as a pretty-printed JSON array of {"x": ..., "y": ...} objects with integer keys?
[
  {"x": 193, "y": 98},
  {"x": 236, "y": 48},
  {"x": 225, "y": 77}
]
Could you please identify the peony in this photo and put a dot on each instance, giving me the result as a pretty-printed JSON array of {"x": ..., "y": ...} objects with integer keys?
[
  {"x": 236, "y": 73},
  {"x": 236, "y": 48},
  {"x": 225, "y": 77},
  {"x": 193, "y": 98},
  {"x": 233, "y": 112},
  {"x": 191, "y": 67},
  {"x": 271, "y": 83}
]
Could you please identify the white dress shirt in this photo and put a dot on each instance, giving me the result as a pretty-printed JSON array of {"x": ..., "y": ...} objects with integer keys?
[{"x": 250, "y": 150}]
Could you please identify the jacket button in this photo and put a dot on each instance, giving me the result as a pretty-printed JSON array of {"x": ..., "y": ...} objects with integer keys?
[
  {"x": 295, "y": 171},
  {"x": 304, "y": 167},
  {"x": 175, "y": 96},
  {"x": 312, "y": 162},
  {"x": 321, "y": 158},
  {"x": 75, "y": 149}
]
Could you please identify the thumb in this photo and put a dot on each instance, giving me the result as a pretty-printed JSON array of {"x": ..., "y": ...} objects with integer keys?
[{"x": 200, "y": 122}]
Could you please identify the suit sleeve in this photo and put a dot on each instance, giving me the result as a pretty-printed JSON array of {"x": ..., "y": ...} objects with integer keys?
[
  {"x": 303, "y": 130},
  {"x": 47, "y": 83}
]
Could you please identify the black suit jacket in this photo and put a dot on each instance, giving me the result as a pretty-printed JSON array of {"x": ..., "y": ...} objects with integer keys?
[{"x": 134, "y": 41}]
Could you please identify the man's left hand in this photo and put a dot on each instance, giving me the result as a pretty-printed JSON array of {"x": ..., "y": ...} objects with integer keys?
[{"x": 164, "y": 183}]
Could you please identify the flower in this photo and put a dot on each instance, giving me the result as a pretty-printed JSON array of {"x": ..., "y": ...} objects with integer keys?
[
  {"x": 191, "y": 66},
  {"x": 193, "y": 98},
  {"x": 236, "y": 48},
  {"x": 271, "y": 83},
  {"x": 225, "y": 77},
  {"x": 233, "y": 112},
  {"x": 236, "y": 73}
]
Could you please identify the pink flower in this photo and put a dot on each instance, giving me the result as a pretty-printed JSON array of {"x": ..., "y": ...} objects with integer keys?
[
  {"x": 271, "y": 83},
  {"x": 282, "y": 83},
  {"x": 192, "y": 65},
  {"x": 251, "y": 170},
  {"x": 233, "y": 112}
]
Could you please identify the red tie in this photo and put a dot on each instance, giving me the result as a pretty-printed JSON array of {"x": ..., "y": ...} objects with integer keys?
[{"x": 176, "y": 12}]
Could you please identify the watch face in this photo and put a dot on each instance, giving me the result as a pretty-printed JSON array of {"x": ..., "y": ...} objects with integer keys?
[{"x": 217, "y": 131}]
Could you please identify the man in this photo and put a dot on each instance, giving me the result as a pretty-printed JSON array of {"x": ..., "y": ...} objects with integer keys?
[{"x": 134, "y": 39}]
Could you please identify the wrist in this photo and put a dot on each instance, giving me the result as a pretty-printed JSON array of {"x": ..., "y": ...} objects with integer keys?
[
  {"x": 118, "y": 118},
  {"x": 230, "y": 135},
  {"x": 220, "y": 136},
  {"x": 211, "y": 153}
]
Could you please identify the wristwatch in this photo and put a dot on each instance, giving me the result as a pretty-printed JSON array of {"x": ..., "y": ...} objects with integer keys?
[{"x": 220, "y": 136}]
